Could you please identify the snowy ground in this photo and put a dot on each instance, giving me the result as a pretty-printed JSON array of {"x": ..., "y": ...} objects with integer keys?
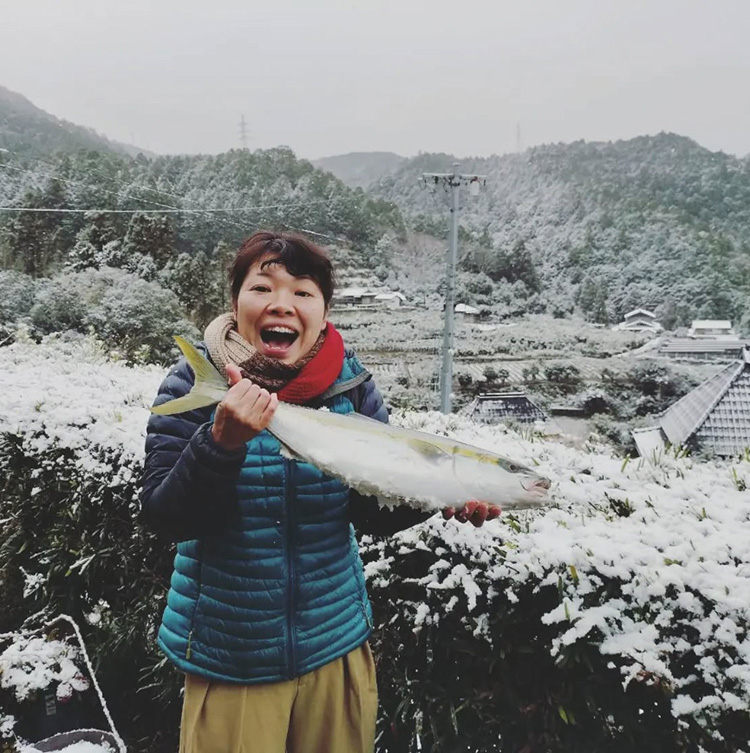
[{"x": 681, "y": 539}]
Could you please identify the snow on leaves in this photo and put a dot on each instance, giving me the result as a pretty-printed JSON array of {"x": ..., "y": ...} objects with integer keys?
[{"x": 651, "y": 559}]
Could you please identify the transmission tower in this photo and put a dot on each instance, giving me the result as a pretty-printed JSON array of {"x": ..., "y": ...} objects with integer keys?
[{"x": 243, "y": 132}]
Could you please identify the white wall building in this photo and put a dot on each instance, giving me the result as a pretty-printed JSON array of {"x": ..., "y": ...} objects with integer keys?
[
  {"x": 390, "y": 300},
  {"x": 639, "y": 320},
  {"x": 715, "y": 329},
  {"x": 467, "y": 313}
]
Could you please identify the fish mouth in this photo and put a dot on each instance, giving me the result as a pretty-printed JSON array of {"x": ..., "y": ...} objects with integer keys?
[
  {"x": 277, "y": 340},
  {"x": 538, "y": 486}
]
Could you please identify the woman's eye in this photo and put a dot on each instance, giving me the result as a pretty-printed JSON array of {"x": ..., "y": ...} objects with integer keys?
[
  {"x": 260, "y": 288},
  {"x": 303, "y": 293}
]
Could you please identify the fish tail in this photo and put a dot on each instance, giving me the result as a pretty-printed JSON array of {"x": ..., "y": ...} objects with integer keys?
[{"x": 209, "y": 388}]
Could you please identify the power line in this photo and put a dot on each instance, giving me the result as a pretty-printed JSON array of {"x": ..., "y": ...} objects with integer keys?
[
  {"x": 166, "y": 208},
  {"x": 161, "y": 211}
]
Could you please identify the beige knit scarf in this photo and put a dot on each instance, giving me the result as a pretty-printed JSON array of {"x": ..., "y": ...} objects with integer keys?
[{"x": 226, "y": 345}]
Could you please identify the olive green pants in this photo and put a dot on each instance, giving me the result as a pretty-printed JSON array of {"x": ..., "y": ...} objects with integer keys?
[{"x": 330, "y": 710}]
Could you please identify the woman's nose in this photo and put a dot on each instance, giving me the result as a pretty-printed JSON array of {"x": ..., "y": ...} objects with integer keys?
[{"x": 281, "y": 305}]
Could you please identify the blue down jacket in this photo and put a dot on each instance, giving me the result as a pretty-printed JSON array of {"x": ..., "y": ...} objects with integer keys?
[{"x": 267, "y": 584}]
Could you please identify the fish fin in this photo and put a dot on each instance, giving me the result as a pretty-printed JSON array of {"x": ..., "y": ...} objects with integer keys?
[
  {"x": 429, "y": 450},
  {"x": 205, "y": 372},
  {"x": 209, "y": 388},
  {"x": 288, "y": 453},
  {"x": 191, "y": 401}
]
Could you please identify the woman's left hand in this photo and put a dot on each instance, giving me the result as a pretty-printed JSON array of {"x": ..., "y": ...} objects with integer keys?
[{"x": 475, "y": 511}]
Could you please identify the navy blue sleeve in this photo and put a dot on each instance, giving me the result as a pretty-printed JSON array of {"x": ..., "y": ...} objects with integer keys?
[
  {"x": 365, "y": 514},
  {"x": 369, "y": 401},
  {"x": 188, "y": 486}
]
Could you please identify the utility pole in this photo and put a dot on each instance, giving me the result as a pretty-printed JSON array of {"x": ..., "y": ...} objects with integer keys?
[
  {"x": 454, "y": 180},
  {"x": 243, "y": 132}
]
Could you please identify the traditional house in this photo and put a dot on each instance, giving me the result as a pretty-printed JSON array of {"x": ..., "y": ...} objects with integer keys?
[
  {"x": 390, "y": 300},
  {"x": 715, "y": 416},
  {"x": 702, "y": 349},
  {"x": 354, "y": 297},
  {"x": 467, "y": 313},
  {"x": 639, "y": 320},
  {"x": 714, "y": 329},
  {"x": 492, "y": 407}
]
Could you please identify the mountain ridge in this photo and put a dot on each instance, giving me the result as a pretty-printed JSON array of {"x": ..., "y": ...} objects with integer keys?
[{"x": 27, "y": 129}]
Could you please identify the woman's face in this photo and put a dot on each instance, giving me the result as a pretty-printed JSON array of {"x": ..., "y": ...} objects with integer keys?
[{"x": 279, "y": 314}]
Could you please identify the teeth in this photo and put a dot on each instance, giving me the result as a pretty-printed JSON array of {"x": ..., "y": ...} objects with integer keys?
[{"x": 286, "y": 330}]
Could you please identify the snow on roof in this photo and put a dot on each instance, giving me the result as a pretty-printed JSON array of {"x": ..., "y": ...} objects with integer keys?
[
  {"x": 390, "y": 296},
  {"x": 690, "y": 345},
  {"x": 640, "y": 311},
  {"x": 463, "y": 308},
  {"x": 716, "y": 414},
  {"x": 496, "y": 406},
  {"x": 353, "y": 292},
  {"x": 711, "y": 324}
]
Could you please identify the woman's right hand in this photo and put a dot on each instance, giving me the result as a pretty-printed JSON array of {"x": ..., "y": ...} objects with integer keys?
[{"x": 243, "y": 413}]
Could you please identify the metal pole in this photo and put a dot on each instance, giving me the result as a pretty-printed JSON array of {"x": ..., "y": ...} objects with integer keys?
[
  {"x": 454, "y": 180},
  {"x": 446, "y": 371}
]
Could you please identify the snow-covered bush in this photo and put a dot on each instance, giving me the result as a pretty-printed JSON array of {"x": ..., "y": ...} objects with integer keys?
[
  {"x": 16, "y": 295},
  {"x": 71, "y": 443},
  {"x": 616, "y": 620}
]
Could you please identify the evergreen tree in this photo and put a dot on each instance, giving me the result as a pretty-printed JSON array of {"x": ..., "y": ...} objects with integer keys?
[
  {"x": 151, "y": 235},
  {"x": 36, "y": 239}
]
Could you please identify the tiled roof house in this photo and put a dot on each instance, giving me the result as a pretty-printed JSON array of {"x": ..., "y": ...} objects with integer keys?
[{"x": 715, "y": 416}]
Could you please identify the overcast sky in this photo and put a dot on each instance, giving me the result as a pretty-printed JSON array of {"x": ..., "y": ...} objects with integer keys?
[{"x": 333, "y": 76}]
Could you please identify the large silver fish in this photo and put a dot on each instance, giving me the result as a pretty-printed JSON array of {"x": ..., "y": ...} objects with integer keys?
[{"x": 396, "y": 464}]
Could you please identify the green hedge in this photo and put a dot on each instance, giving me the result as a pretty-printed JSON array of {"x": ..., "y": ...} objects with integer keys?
[
  {"x": 464, "y": 664},
  {"x": 461, "y": 677}
]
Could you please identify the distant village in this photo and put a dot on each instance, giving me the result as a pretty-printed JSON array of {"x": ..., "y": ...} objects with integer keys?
[{"x": 714, "y": 417}]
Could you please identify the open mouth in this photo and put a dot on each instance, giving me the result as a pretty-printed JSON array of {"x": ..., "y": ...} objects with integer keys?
[
  {"x": 541, "y": 486},
  {"x": 278, "y": 340}
]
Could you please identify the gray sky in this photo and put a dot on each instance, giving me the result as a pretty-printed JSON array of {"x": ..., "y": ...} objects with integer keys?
[{"x": 333, "y": 76}]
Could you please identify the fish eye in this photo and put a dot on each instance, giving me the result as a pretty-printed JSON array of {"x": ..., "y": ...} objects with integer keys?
[{"x": 513, "y": 468}]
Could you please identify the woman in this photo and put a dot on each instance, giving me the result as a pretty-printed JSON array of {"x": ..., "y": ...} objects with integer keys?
[{"x": 267, "y": 614}]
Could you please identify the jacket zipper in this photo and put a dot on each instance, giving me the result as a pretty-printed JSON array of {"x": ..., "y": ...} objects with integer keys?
[
  {"x": 289, "y": 498},
  {"x": 189, "y": 648}
]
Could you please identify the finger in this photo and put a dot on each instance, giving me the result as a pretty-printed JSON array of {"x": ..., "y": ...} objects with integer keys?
[
  {"x": 479, "y": 515},
  {"x": 237, "y": 392},
  {"x": 494, "y": 512},
  {"x": 449, "y": 512},
  {"x": 234, "y": 374},
  {"x": 258, "y": 406},
  {"x": 270, "y": 409},
  {"x": 469, "y": 507}
]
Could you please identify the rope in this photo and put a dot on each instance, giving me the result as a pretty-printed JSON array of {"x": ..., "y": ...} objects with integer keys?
[{"x": 89, "y": 667}]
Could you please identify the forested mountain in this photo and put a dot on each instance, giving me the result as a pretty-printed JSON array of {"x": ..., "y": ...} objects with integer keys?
[
  {"x": 658, "y": 222},
  {"x": 29, "y": 130},
  {"x": 361, "y": 169},
  {"x": 129, "y": 243}
]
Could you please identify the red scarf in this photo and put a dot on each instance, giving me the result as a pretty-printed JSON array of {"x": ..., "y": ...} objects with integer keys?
[{"x": 320, "y": 373}]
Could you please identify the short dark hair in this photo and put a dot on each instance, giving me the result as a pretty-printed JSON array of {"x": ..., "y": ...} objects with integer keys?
[{"x": 300, "y": 256}]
